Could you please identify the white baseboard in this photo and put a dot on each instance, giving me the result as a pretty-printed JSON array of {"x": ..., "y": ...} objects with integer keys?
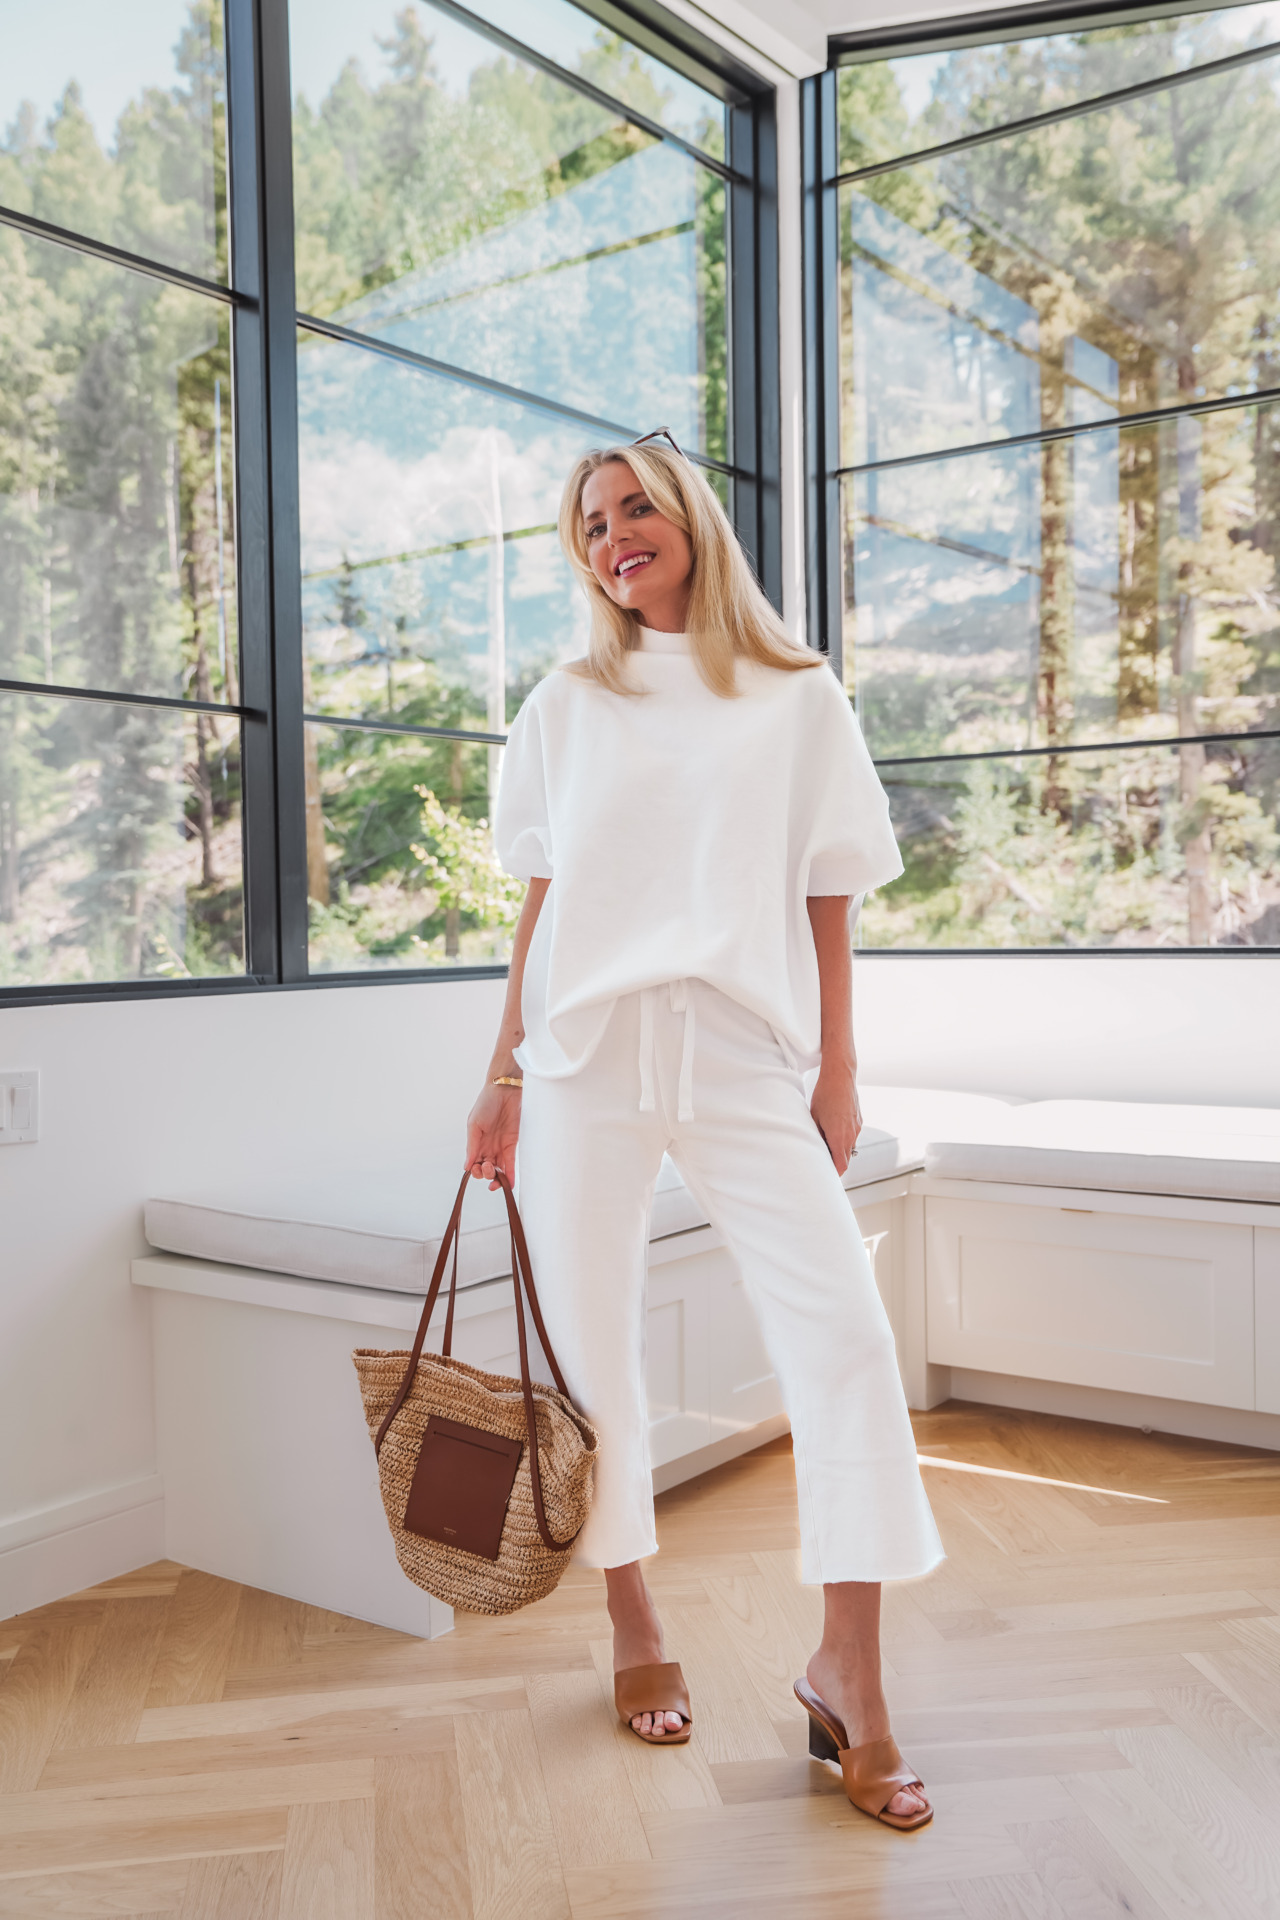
[
  {"x": 1237, "y": 1426},
  {"x": 690, "y": 1465},
  {"x": 57, "y": 1550}
]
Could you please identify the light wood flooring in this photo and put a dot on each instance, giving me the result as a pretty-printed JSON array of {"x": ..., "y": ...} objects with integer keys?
[{"x": 1090, "y": 1687}]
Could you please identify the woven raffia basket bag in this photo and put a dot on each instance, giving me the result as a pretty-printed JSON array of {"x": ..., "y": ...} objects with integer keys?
[{"x": 486, "y": 1479}]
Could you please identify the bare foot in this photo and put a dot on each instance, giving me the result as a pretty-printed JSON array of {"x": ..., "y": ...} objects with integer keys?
[
  {"x": 637, "y": 1637},
  {"x": 859, "y": 1701}
]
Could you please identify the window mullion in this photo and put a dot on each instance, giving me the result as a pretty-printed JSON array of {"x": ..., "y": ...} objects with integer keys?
[
  {"x": 275, "y": 150},
  {"x": 821, "y": 238},
  {"x": 766, "y": 301},
  {"x": 743, "y": 399},
  {"x": 253, "y": 570}
]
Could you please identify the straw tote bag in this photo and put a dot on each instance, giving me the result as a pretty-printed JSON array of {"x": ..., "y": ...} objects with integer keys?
[{"x": 486, "y": 1479}]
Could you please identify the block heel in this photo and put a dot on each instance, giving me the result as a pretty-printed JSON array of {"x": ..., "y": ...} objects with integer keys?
[{"x": 872, "y": 1774}]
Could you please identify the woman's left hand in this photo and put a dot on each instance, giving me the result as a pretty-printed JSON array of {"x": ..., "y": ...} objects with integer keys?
[{"x": 835, "y": 1109}]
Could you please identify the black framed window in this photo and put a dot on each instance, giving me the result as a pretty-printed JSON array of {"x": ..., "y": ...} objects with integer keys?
[
  {"x": 305, "y": 321},
  {"x": 1044, "y": 318},
  {"x": 120, "y": 738}
]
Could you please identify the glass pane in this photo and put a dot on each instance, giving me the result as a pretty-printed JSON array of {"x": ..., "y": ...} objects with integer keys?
[
  {"x": 117, "y": 516},
  {"x": 1143, "y": 847},
  {"x": 1122, "y": 261},
  {"x": 120, "y": 843},
  {"x": 1118, "y": 584},
  {"x": 401, "y": 870},
  {"x": 894, "y": 107},
  {"x": 481, "y": 213},
  {"x": 115, "y": 124},
  {"x": 433, "y": 585},
  {"x": 577, "y": 42}
]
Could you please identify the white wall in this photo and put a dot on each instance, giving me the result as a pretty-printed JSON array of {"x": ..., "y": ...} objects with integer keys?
[{"x": 1097, "y": 1026}]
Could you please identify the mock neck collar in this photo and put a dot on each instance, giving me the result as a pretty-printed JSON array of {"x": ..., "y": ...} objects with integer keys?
[{"x": 650, "y": 641}]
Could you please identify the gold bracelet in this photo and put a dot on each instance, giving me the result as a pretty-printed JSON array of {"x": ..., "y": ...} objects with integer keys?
[{"x": 505, "y": 1080}]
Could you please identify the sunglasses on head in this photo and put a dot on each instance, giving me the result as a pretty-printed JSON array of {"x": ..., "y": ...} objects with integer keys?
[{"x": 661, "y": 433}]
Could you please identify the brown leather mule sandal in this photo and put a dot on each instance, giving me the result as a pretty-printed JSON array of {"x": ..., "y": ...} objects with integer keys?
[
  {"x": 656, "y": 1689},
  {"x": 872, "y": 1774}
]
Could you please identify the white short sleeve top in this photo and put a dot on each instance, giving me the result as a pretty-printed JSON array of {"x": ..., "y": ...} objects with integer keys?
[{"x": 682, "y": 833}]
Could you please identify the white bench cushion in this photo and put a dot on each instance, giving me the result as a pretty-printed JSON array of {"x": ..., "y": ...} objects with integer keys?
[
  {"x": 1214, "y": 1153},
  {"x": 311, "y": 1249},
  {"x": 913, "y": 1116},
  {"x": 336, "y": 1239}
]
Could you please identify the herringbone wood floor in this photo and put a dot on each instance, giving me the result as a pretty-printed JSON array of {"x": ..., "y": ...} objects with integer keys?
[{"x": 1090, "y": 1687}]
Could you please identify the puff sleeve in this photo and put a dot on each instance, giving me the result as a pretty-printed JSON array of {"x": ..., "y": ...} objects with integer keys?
[
  {"x": 521, "y": 817},
  {"x": 851, "y": 845}
]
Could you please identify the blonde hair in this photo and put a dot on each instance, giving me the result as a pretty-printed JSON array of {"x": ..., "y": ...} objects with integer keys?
[{"x": 729, "y": 617}]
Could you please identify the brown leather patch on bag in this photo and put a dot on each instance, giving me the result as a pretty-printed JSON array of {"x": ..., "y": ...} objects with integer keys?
[{"x": 462, "y": 1485}]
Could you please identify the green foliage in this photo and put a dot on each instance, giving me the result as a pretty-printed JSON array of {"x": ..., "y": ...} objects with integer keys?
[
  {"x": 461, "y": 868},
  {"x": 372, "y": 810},
  {"x": 415, "y": 878},
  {"x": 1078, "y": 852}
]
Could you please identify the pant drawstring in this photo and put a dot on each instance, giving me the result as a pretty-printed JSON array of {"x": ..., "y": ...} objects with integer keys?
[
  {"x": 681, "y": 1002},
  {"x": 646, "y": 1049}
]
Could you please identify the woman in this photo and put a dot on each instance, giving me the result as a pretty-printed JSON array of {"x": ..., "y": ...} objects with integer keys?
[{"x": 693, "y": 808}]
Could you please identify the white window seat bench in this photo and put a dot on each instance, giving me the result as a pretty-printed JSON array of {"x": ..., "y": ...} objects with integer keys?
[
  {"x": 1114, "y": 1262},
  {"x": 1111, "y": 1260}
]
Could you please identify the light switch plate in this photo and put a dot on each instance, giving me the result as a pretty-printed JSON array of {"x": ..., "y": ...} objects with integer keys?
[{"x": 19, "y": 1108}]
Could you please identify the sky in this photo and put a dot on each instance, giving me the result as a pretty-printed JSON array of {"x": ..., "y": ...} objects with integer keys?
[
  {"x": 325, "y": 33},
  {"x": 114, "y": 50}
]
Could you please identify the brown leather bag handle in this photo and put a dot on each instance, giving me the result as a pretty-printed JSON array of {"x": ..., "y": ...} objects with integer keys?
[
  {"x": 520, "y": 1251},
  {"x": 522, "y": 1269},
  {"x": 450, "y": 1234},
  {"x": 522, "y": 1282}
]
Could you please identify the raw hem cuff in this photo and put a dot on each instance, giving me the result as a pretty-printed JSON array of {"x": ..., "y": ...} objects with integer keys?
[
  {"x": 622, "y": 1559},
  {"x": 827, "y": 1577}
]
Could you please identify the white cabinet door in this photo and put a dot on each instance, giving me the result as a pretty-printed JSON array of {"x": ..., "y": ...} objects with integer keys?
[
  {"x": 881, "y": 1226},
  {"x": 744, "y": 1386},
  {"x": 1139, "y": 1305},
  {"x": 676, "y": 1358},
  {"x": 1266, "y": 1282}
]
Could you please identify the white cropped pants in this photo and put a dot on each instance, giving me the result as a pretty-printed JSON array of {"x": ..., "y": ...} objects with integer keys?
[{"x": 685, "y": 1070}]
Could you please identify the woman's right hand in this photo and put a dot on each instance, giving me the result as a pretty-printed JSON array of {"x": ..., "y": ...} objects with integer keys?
[
  {"x": 493, "y": 1128},
  {"x": 493, "y": 1125}
]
